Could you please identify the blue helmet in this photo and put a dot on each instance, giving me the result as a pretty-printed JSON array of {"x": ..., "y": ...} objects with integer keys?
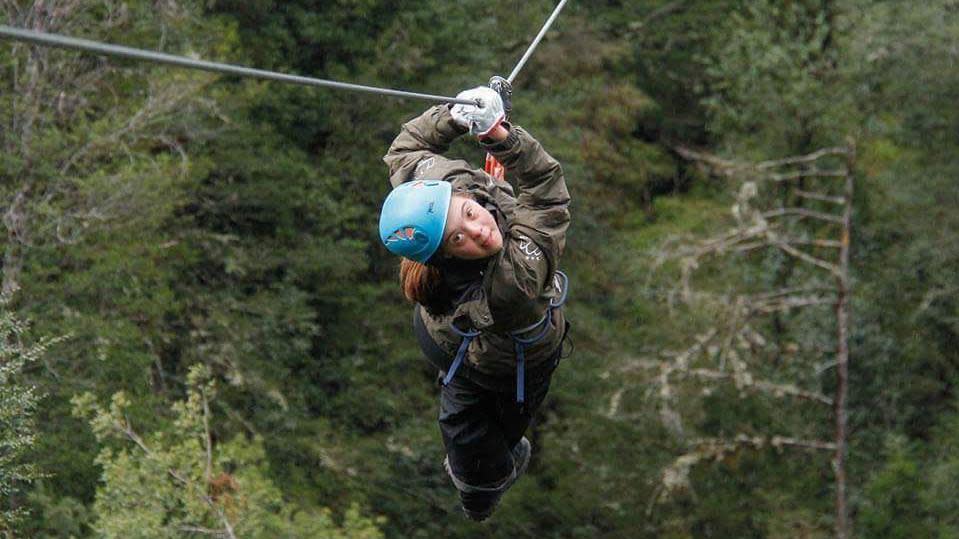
[{"x": 414, "y": 217}]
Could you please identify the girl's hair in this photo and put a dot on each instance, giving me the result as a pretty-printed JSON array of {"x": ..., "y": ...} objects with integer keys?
[{"x": 424, "y": 284}]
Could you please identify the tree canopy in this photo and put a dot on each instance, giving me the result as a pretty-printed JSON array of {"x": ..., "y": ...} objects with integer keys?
[{"x": 218, "y": 345}]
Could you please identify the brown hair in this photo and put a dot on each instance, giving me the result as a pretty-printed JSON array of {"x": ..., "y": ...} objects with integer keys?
[{"x": 424, "y": 284}]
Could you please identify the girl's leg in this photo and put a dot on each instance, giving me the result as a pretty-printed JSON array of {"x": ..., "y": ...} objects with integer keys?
[
  {"x": 483, "y": 435},
  {"x": 513, "y": 418},
  {"x": 476, "y": 447}
]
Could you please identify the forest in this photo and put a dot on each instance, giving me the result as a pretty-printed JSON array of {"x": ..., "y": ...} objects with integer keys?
[{"x": 202, "y": 335}]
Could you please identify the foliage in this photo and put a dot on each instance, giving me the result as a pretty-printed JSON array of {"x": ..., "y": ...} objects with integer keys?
[
  {"x": 171, "y": 221},
  {"x": 896, "y": 490},
  {"x": 182, "y": 482},
  {"x": 18, "y": 407}
]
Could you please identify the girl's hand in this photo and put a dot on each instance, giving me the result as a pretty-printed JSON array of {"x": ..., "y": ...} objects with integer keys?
[{"x": 483, "y": 119}]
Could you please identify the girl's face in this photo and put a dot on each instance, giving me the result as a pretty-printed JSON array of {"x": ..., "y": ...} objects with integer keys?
[{"x": 471, "y": 232}]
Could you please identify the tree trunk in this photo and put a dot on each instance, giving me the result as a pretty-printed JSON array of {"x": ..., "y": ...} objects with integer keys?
[
  {"x": 14, "y": 221},
  {"x": 842, "y": 359}
]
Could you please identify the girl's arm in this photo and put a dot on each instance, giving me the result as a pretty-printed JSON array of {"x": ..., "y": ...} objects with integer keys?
[
  {"x": 428, "y": 135},
  {"x": 542, "y": 213}
]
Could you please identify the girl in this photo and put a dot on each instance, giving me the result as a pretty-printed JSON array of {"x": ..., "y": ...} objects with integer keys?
[{"x": 482, "y": 266}]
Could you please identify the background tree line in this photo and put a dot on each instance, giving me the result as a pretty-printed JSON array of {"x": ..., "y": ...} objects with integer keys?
[{"x": 217, "y": 340}]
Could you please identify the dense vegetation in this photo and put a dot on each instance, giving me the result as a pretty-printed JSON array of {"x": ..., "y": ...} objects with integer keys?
[{"x": 219, "y": 346}]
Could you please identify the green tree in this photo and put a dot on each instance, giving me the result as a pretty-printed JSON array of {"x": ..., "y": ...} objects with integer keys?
[
  {"x": 894, "y": 504},
  {"x": 18, "y": 405},
  {"x": 181, "y": 481},
  {"x": 95, "y": 164}
]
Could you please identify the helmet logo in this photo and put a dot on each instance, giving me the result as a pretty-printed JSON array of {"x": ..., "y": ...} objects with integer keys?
[{"x": 403, "y": 234}]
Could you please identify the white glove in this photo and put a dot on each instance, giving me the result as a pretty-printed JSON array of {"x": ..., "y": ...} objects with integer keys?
[{"x": 479, "y": 120}]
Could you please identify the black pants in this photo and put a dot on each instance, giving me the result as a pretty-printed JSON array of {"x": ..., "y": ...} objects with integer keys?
[{"x": 480, "y": 425}]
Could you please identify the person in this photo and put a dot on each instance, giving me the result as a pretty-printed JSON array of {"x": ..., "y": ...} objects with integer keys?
[{"x": 481, "y": 266}]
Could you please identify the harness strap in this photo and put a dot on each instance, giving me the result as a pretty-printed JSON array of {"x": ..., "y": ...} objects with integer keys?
[
  {"x": 458, "y": 360},
  {"x": 561, "y": 281},
  {"x": 520, "y": 372},
  {"x": 520, "y": 346},
  {"x": 468, "y": 337}
]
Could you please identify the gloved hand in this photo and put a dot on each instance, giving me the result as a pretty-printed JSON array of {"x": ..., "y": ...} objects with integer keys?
[{"x": 479, "y": 120}]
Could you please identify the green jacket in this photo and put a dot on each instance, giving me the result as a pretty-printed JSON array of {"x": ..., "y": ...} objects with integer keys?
[{"x": 516, "y": 285}]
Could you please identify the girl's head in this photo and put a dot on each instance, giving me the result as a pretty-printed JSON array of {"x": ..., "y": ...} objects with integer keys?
[
  {"x": 438, "y": 234},
  {"x": 423, "y": 219}
]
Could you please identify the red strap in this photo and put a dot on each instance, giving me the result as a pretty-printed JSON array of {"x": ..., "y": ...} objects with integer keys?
[{"x": 495, "y": 169}]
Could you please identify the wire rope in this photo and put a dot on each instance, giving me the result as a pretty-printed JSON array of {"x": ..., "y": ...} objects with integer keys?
[
  {"x": 85, "y": 45},
  {"x": 535, "y": 43}
]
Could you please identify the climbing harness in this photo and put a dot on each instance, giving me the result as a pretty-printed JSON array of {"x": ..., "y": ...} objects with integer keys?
[{"x": 520, "y": 344}]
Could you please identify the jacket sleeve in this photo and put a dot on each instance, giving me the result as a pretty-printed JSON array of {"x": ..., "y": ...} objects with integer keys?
[
  {"x": 542, "y": 212},
  {"x": 537, "y": 230},
  {"x": 428, "y": 135}
]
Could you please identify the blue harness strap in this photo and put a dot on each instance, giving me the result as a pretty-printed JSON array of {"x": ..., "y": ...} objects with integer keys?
[
  {"x": 520, "y": 372},
  {"x": 521, "y": 344},
  {"x": 468, "y": 337},
  {"x": 561, "y": 282}
]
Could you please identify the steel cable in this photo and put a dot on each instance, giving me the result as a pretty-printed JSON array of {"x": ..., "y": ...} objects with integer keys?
[
  {"x": 85, "y": 45},
  {"x": 535, "y": 43},
  {"x": 54, "y": 40}
]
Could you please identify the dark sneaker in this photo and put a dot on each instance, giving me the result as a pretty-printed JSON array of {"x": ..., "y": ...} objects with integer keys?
[{"x": 478, "y": 503}]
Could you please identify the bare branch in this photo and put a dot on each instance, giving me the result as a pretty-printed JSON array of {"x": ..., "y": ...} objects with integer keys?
[
  {"x": 802, "y": 212},
  {"x": 728, "y": 167},
  {"x": 751, "y": 246},
  {"x": 723, "y": 166},
  {"x": 614, "y": 402},
  {"x": 790, "y": 292},
  {"x": 820, "y": 197},
  {"x": 199, "y": 529},
  {"x": 682, "y": 360},
  {"x": 718, "y": 447},
  {"x": 831, "y": 268},
  {"x": 789, "y": 303},
  {"x": 805, "y": 173},
  {"x": 763, "y": 386},
  {"x": 931, "y": 296},
  {"x": 675, "y": 478},
  {"x": 808, "y": 158},
  {"x": 831, "y": 244}
]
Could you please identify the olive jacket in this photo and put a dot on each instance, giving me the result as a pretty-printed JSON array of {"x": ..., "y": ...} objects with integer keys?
[{"x": 512, "y": 289}]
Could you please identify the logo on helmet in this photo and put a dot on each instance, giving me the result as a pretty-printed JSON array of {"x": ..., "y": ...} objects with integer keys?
[{"x": 403, "y": 234}]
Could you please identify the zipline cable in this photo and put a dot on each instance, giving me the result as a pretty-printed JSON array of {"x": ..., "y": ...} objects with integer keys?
[
  {"x": 539, "y": 37},
  {"x": 493, "y": 167},
  {"x": 55, "y": 40}
]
